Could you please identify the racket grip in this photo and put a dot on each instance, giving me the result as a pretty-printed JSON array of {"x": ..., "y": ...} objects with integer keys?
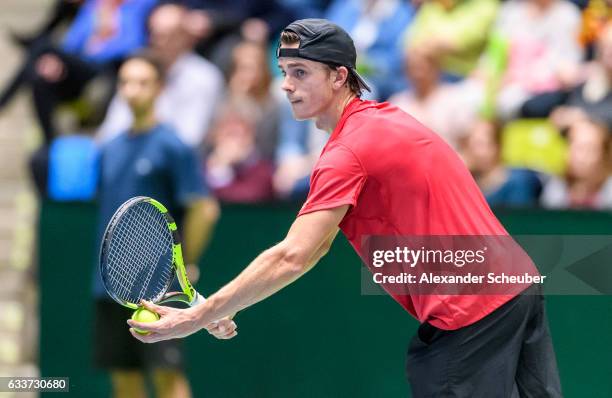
[{"x": 197, "y": 300}]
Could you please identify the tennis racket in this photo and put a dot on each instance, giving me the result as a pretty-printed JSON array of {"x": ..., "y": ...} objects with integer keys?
[{"x": 141, "y": 255}]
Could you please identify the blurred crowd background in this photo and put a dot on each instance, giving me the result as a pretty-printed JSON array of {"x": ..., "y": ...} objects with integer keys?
[{"x": 520, "y": 88}]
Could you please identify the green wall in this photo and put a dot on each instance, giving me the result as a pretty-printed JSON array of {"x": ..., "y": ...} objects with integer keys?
[{"x": 318, "y": 338}]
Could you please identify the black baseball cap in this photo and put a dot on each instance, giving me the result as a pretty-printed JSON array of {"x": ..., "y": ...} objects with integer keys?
[{"x": 323, "y": 41}]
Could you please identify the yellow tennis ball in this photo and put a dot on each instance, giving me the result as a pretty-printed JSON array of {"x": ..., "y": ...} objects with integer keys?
[{"x": 144, "y": 315}]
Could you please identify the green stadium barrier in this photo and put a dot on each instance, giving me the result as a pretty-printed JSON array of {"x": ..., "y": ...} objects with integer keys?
[{"x": 320, "y": 337}]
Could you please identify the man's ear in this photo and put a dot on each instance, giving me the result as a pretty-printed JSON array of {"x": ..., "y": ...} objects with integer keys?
[{"x": 340, "y": 76}]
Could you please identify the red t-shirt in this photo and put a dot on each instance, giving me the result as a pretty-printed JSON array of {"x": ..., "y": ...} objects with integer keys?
[{"x": 400, "y": 178}]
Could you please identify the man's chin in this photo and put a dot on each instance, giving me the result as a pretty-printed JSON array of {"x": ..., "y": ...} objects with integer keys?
[{"x": 299, "y": 116}]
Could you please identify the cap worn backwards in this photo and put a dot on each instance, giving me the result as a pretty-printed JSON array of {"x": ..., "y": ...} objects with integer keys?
[{"x": 323, "y": 41}]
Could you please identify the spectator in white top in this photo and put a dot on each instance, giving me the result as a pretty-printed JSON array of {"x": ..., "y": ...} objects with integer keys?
[
  {"x": 449, "y": 109},
  {"x": 193, "y": 85},
  {"x": 543, "y": 48}
]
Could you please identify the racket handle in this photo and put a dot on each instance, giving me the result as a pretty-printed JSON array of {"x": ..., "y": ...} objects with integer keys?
[{"x": 197, "y": 300}]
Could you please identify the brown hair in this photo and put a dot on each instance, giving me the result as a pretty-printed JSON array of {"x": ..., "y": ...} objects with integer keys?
[
  {"x": 150, "y": 58},
  {"x": 351, "y": 80},
  {"x": 288, "y": 37},
  {"x": 262, "y": 88}
]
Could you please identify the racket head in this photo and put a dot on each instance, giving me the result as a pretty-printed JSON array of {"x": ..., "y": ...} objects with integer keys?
[{"x": 138, "y": 252}]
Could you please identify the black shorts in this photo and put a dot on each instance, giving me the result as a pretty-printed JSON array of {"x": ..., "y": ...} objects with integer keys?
[
  {"x": 507, "y": 354},
  {"x": 116, "y": 349}
]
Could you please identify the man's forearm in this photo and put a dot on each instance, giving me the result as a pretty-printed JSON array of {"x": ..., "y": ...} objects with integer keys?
[{"x": 272, "y": 270}]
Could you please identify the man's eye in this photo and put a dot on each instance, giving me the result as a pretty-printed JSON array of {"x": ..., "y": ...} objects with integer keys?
[
  {"x": 283, "y": 73},
  {"x": 300, "y": 73}
]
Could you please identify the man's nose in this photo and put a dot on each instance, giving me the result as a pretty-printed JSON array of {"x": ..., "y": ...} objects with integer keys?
[{"x": 286, "y": 85}]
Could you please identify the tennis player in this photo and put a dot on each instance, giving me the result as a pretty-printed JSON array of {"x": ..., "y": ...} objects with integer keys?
[{"x": 383, "y": 173}]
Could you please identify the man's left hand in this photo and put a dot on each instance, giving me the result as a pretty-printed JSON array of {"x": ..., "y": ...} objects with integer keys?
[{"x": 176, "y": 323}]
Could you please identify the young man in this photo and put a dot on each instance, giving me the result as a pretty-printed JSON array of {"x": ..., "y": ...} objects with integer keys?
[
  {"x": 150, "y": 160},
  {"x": 383, "y": 173}
]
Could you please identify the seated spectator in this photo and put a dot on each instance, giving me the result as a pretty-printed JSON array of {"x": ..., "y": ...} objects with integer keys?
[
  {"x": 594, "y": 18},
  {"x": 235, "y": 169},
  {"x": 590, "y": 99},
  {"x": 448, "y": 109},
  {"x": 502, "y": 186},
  {"x": 103, "y": 33},
  {"x": 217, "y": 26},
  {"x": 456, "y": 31},
  {"x": 587, "y": 182},
  {"x": 543, "y": 47},
  {"x": 301, "y": 9},
  {"x": 193, "y": 85},
  {"x": 250, "y": 79},
  {"x": 376, "y": 28}
]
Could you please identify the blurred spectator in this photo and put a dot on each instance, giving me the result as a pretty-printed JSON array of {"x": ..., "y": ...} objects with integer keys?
[
  {"x": 235, "y": 169},
  {"x": 593, "y": 98},
  {"x": 299, "y": 147},
  {"x": 219, "y": 25},
  {"x": 587, "y": 182},
  {"x": 456, "y": 31},
  {"x": 62, "y": 11},
  {"x": 543, "y": 50},
  {"x": 501, "y": 185},
  {"x": 148, "y": 159},
  {"x": 193, "y": 85},
  {"x": 376, "y": 27},
  {"x": 301, "y": 9},
  {"x": 448, "y": 109},
  {"x": 103, "y": 33},
  {"x": 594, "y": 18},
  {"x": 250, "y": 79}
]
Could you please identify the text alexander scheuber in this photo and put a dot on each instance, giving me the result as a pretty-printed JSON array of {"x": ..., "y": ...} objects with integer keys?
[{"x": 456, "y": 258}]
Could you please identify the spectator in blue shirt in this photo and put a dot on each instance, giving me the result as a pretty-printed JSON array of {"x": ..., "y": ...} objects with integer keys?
[
  {"x": 103, "y": 33},
  {"x": 377, "y": 28},
  {"x": 148, "y": 160}
]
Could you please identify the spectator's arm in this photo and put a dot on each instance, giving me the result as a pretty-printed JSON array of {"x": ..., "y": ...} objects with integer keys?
[
  {"x": 80, "y": 29},
  {"x": 132, "y": 33},
  {"x": 189, "y": 191},
  {"x": 200, "y": 219}
]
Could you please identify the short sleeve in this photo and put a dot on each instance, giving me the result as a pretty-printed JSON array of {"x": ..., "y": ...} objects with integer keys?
[
  {"x": 336, "y": 180},
  {"x": 187, "y": 175}
]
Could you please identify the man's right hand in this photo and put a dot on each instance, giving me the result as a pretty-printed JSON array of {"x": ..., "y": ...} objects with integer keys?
[{"x": 223, "y": 329}]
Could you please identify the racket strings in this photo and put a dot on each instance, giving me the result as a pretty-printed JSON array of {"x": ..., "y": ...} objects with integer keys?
[
  {"x": 137, "y": 257},
  {"x": 140, "y": 251}
]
